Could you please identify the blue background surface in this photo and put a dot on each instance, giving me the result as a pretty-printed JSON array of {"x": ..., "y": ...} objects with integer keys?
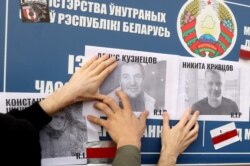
[{"x": 39, "y": 51}]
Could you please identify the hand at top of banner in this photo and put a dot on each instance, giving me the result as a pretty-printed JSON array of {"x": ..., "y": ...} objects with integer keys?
[
  {"x": 82, "y": 86},
  {"x": 176, "y": 139},
  {"x": 122, "y": 125}
]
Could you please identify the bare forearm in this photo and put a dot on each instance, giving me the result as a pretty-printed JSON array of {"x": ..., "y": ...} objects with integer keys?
[
  {"x": 57, "y": 101},
  {"x": 167, "y": 159}
]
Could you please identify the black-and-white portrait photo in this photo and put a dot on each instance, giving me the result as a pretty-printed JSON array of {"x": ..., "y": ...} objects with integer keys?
[
  {"x": 66, "y": 134},
  {"x": 212, "y": 92},
  {"x": 144, "y": 84}
]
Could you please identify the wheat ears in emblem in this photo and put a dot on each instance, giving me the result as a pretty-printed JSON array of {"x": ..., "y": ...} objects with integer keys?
[{"x": 207, "y": 28}]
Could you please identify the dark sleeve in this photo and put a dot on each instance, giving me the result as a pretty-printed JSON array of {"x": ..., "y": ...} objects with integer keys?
[
  {"x": 127, "y": 155},
  {"x": 34, "y": 114}
]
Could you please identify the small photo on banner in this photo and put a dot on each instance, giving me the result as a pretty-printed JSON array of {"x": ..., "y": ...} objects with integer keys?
[
  {"x": 224, "y": 135},
  {"x": 33, "y": 11}
]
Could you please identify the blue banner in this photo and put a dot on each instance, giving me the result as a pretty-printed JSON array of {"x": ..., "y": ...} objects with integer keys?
[{"x": 40, "y": 56}]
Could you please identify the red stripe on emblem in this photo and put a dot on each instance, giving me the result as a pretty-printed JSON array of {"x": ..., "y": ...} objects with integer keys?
[
  {"x": 226, "y": 31},
  {"x": 188, "y": 25}
]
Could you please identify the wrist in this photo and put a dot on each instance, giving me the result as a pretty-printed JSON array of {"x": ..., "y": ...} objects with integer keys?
[
  {"x": 56, "y": 101},
  {"x": 171, "y": 156},
  {"x": 167, "y": 158}
]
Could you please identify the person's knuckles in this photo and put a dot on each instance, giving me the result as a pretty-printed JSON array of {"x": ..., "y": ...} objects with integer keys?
[
  {"x": 94, "y": 119},
  {"x": 100, "y": 106},
  {"x": 108, "y": 100},
  {"x": 104, "y": 64},
  {"x": 108, "y": 128},
  {"x": 110, "y": 68},
  {"x": 179, "y": 127},
  {"x": 195, "y": 129},
  {"x": 110, "y": 61},
  {"x": 122, "y": 95},
  {"x": 185, "y": 131}
]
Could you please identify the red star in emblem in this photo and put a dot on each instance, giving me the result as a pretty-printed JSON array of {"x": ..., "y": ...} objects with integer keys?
[{"x": 209, "y": 2}]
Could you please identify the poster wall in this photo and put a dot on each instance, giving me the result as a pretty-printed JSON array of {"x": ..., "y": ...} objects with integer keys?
[{"x": 42, "y": 43}]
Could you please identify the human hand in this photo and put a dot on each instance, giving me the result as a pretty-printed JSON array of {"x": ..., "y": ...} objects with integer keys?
[
  {"x": 122, "y": 125},
  {"x": 85, "y": 82},
  {"x": 175, "y": 140},
  {"x": 82, "y": 86}
]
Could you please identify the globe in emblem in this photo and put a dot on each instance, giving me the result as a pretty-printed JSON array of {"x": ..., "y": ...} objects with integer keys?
[{"x": 207, "y": 28}]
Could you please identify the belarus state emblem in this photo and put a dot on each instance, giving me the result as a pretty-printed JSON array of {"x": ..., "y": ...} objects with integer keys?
[{"x": 207, "y": 28}]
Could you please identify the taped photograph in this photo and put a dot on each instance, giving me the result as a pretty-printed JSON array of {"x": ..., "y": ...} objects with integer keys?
[
  {"x": 63, "y": 140},
  {"x": 65, "y": 136},
  {"x": 218, "y": 94},
  {"x": 214, "y": 89},
  {"x": 144, "y": 84},
  {"x": 144, "y": 76}
]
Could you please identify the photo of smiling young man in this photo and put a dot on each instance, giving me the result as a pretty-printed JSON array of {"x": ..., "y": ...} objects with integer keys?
[{"x": 215, "y": 103}]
